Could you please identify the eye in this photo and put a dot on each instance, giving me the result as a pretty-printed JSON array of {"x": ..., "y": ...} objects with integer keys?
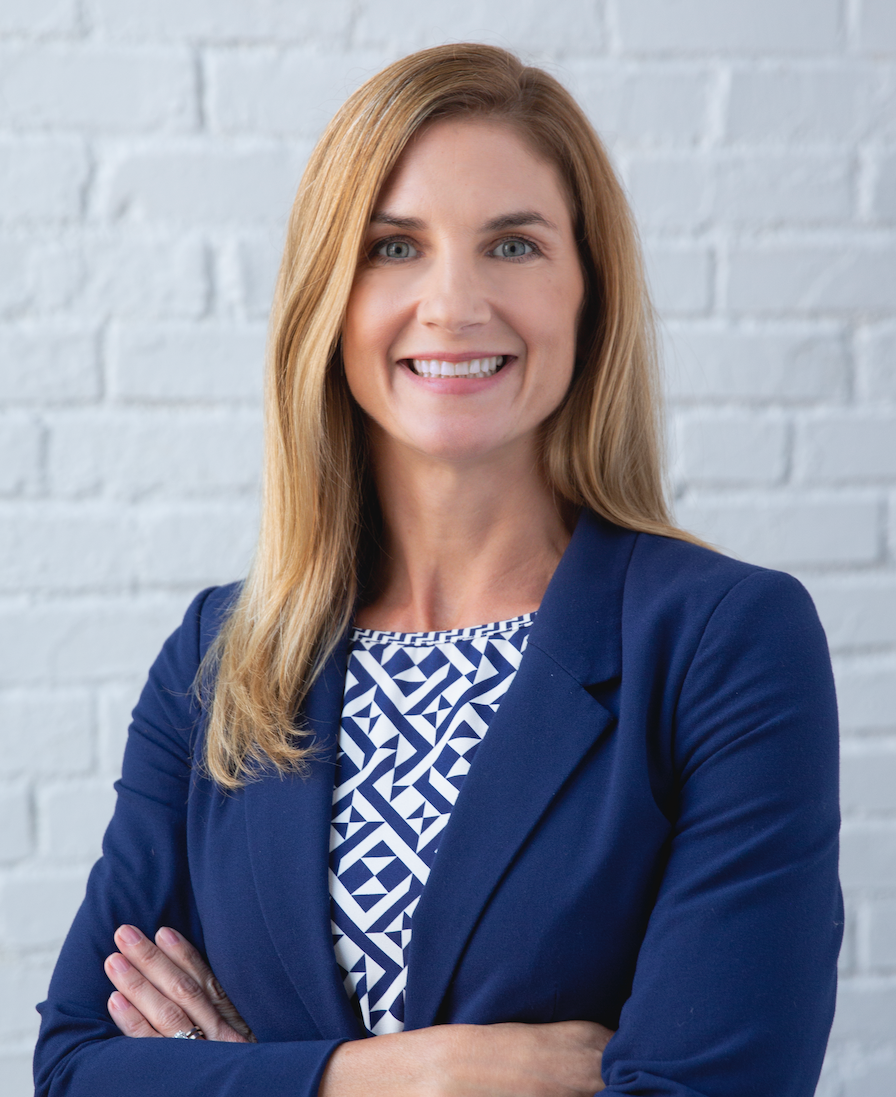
[
  {"x": 394, "y": 249},
  {"x": 514, "y": 248}
]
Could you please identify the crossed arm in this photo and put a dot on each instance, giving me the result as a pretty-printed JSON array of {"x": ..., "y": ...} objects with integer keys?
[{"x": 166, "y": 987}]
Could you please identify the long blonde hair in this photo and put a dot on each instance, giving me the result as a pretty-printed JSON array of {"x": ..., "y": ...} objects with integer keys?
[{"x": 602, "y": 447}]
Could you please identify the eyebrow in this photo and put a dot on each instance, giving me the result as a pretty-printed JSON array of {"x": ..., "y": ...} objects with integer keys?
[{"x": 516, "y": 220}]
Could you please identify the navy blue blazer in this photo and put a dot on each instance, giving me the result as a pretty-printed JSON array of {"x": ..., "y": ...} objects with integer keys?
[{"x": 647, "y": 838}]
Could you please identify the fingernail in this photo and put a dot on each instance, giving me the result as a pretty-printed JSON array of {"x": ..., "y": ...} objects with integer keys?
[
  {"x": 168, "y": 936},
  {"x": 129, "y": 935},
  {"x": 118, "y": 963},
  {"x": 118, "y": 1002}
]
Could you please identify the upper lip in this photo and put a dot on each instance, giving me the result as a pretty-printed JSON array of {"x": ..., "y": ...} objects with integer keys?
[{"x": 457, "y": 356}]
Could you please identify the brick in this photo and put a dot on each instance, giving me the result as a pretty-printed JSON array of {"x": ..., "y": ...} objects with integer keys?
[
  {"x": 15, "y": 823},
  {"x": 882, "y": 935},
  {"x": 202, "y": 363},
  {"x": 856, "y": 610},
  {"x": 88, "y": 640},
  {"x": 14, "y": 276},
  {"x": 135, "y": 454},
  {"x": 48, "y": 362},
  {"x": 199, "y": 185},
  {"x": 669, "y": 191},
  {"x": 647, "y": 105},
  {"x": 16, "y": 1077},
  {"x": 795, "y": 105},
  {"x": 787, "y": 530},
  {"x": 403, "y": 25},
  {"x": 20, "y": 454},
  {"x": 880, "y": 110},
  {"x": 739, "y": 26},
  {"x": 866, "y": 1010},
  {"x": 257, "y": 261},
  {"x": 849, "y": 278},
  {"x": 24, "y": 984},
  {"x": 731, "y": 449},
  {"x": 877, "y": 26},
  {"x": 38, "y": 16},
  {"x": 37, "y": 910},
  {"x": 866, "y": 691},
  {"x": 844, "y": 447},
  {"x": 197, "y": 545},
  {"x": 874, "y": 1078},
  {"x": 288, "y": 92},
  {"x": 790, "y": 188},
  {"x": 224, "y": 20},
  {"x": 45, "y": 732},
  {"x": 115, "y": 706},
  {"x": 883, "y": 194},
  {"x": 867, "y": 779},
  {"x": 42, "y": 179},
  {"x": 143, "y": 278},
  {"x": 64, "y": 549},
  {"x": 780, "y": 363},
  {"x": 680, "y": 277},
  {"x": 73, "y": 818},
  {"x": 153, "y": 89},
  {"x": 877, "y": 363},
  {"x": 94, "y": 276},
  {"x": 868, "y": 854}
]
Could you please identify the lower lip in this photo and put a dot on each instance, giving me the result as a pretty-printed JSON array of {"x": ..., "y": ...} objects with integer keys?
[{"x": 459, "y": 386}]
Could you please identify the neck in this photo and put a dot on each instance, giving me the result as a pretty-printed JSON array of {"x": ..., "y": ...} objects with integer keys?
[{"x": 465, "y": 543}]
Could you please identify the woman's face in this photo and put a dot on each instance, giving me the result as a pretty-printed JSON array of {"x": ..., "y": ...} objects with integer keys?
[{"x": 460, "y": 335}]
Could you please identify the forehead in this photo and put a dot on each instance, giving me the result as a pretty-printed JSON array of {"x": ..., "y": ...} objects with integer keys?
[{"x": 472, "y": 162}]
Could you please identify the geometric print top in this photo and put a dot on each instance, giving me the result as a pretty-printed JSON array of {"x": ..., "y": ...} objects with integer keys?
[{"x": 416, "y": 707}]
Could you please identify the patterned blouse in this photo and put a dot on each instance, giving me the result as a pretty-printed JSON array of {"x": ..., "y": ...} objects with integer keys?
[{"x": 416, "y": 707}]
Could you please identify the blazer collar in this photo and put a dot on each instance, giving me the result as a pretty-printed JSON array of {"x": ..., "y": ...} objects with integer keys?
[
  {"x": 579, "y": 622},
  {"x": 546, "y": 724}
]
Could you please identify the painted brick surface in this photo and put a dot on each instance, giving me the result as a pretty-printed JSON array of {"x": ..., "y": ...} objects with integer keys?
[
  {"x": 42, "y": 180},
  {"x": 739, "y": 26},
  {"x": 148, "y": 154}
]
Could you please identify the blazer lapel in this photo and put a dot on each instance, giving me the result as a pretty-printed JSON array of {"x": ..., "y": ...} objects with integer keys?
[
  {"x": 546, "y": 724},
  {"x": 288, "y": 823}
]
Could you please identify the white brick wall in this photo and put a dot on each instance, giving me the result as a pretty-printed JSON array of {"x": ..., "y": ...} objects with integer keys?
[{"x": 148, "y": 152}]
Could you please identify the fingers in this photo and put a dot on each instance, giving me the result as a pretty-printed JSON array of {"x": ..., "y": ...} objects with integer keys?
[
  {"x": 128, "y": 1018},
  {"x": 179, "y": 950},
  {"x": 170, "y": 998},
  {"x": 162, "y": 1014}
]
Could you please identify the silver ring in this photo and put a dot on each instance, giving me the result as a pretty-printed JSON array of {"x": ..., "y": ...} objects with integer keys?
[{"x": 195, "y": 1033}]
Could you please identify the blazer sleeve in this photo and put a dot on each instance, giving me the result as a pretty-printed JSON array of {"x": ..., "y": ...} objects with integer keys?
[
  {"x": 143, "y": 878},
  {"x": 735, "y": 982}
]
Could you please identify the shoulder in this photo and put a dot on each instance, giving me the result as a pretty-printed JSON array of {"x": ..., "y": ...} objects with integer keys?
[
  {"x": 689, "y": 580},
  {"x": 202, "y": 621},
  {"x": 705, "y": 611},
  {"x": 168, "y": 703},
  {"x": 686, "y": 604}
]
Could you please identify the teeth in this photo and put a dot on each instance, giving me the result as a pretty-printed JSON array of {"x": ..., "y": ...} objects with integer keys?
[{"x": 476, "y": 367}]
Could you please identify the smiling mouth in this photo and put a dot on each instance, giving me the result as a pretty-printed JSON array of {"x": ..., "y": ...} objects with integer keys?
[{"x": 475, "y": 367}]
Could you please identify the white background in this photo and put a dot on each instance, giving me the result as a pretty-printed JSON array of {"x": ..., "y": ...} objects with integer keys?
[{"x": 149, "y": 150}]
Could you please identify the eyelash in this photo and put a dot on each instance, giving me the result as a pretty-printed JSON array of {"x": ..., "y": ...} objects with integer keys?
[{"x": 375, "y": 252}]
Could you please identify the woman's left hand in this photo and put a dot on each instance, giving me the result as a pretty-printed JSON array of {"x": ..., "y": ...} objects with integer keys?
[{"x": 166, "y": 988}]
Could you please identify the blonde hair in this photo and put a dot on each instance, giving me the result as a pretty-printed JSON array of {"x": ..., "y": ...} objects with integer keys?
[{"x": 602, "y": 447}]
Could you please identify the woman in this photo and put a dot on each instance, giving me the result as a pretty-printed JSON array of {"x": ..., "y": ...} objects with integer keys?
[{"x": 629, "y": 777}]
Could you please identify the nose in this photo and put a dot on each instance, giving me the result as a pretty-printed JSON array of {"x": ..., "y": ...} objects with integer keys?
[{"x": 452, "y": 296}]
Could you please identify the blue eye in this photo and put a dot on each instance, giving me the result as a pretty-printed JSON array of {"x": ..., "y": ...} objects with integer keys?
[
  {"x": 395, "y": 249},
  {"x": 514, "y": 248}
]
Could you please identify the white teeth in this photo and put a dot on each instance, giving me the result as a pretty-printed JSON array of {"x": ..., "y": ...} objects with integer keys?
[{"x": 475, "y": 367}]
